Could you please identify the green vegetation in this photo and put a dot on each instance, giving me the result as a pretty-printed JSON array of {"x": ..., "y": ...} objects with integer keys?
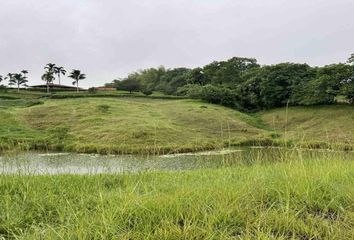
[
  {"x": 291, "y": 195},
  {"x": 113, "y": 123},
  {"x": 243, "y": 84},
  {"x": 314, "y": 126},
  {"x": 138, "y": 125},
  {"x": 295, "y": 197}
]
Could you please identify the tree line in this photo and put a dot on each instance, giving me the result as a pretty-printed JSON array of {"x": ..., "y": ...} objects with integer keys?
[
  {"x": 51, "y": 72},
  {"x": 244, "y": 84}
]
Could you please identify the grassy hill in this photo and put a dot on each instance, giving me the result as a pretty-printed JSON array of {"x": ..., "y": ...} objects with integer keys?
[
  {"x": 148, "y": 125},
  {"x": 127, "y": 125},
  {"x": 314, "y": 126}
]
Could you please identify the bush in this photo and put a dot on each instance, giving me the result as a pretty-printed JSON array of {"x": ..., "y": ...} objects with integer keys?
[
  {"x": 220, "y": 95},
  {"x": 146, "y": 92},
  {"x": 190, "y": 90},
  {"x": 92, "y": 90},
  {"x": 130, "y": 85}
]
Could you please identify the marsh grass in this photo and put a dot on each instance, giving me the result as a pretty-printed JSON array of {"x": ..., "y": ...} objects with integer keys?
[{"x": 288, "y": 195}]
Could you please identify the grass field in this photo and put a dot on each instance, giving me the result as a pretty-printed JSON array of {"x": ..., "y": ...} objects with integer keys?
[
  {"x": 147, "y": 125},
  {"x": 130, "y": 125},
  {"x": 290, "y": 195},
  {"x": 319, "y": 125},
  {"x": 294, "y": 198}
]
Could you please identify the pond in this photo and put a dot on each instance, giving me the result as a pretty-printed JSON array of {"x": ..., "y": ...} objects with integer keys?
[{"x": 33, "y": 163}]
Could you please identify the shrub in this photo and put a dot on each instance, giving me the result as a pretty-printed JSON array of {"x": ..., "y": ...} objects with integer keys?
[
  {"x": 220, "y": 95},
  {"x": 92, "y": 90},
  {"x": 146, "y": 92},
  {"x": 190, "y": 90}
]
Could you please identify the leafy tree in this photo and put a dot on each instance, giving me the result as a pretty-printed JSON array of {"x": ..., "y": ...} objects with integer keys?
[
  {"x": 277, "y": 82},
  {"x": 190, "y": 90},
  {"x": 249, "y": 91},
  {"x": 150, "y": 79},
  {"x": 219, "y": 95},
  {"x": 18, "y": 80},
  {"x": 172, "y": 80},
  {"x": 77, "y": 76},
  {"x": 48, "y": 77},
  {"x": 196, "y": 76},
  {"x": 347, "y": 88},
  {"x": 59, "y": 71},
  {"x": 131, "y": 85}
]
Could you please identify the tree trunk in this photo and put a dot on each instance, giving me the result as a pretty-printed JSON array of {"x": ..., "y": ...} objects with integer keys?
[
  {"x": 77, "y": 86},
  {"x": 18, "y": 87},
  {"x": 47, "y": 87},
  {"x": 59, "y": 80}
]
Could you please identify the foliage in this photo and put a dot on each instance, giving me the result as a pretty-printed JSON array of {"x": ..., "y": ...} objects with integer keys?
[
  {"x": 17, "y": 79},
  {"x": 92, "y": 90},
  {"x": 219, "y": 95},
  {"x": 77, "y": 76},
  {"x": 190, "y": 90},
  {"x": 291, "y": 197},
  {"x": 130, "y": 85},
  {"x": 251, "y": 87},
  {"x": 147, "y": 92},
  {"x": 59, "y": 71}
]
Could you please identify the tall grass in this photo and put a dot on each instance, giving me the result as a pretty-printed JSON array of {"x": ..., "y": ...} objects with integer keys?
[{"x": 295, "y": 196}]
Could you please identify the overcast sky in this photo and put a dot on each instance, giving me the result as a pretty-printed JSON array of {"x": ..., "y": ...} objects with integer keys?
[{"x": 107, "y": 39}]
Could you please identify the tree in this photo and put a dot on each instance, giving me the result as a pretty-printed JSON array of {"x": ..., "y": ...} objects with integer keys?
[
  {"x": 59, "y": 71},
  {"x": 1, "y": 78},
  {"x": 131, "y": 85},
  {"x": 351, "y": 59},
  {"x": 277, "y": 82},
  {"x": 48, "y": 78},
  {"x": 50, "y": 67},
  {"x": 77, "y": 76},
  {"x": 196, "y": 76},
  {"x": 172, "y": 80},
  {"x": 17, "y": 79}
]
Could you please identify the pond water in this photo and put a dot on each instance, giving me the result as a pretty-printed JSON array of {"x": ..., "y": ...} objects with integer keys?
[{"x": 70, "y": 163}]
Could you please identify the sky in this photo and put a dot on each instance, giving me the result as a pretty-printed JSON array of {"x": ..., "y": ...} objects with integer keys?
[{"x": 108, "y": 39}]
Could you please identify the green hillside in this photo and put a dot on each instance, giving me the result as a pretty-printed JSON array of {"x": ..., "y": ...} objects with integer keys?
[
  {"x": 147, "y": 125},
  {"x": 316, "y": 126},
  {"x": 129, "y": 125}
]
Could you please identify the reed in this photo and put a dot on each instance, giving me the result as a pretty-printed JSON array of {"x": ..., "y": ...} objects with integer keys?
[{"x": 292, "y": 196}]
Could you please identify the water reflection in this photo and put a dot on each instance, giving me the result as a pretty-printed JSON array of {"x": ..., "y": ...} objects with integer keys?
[{"x": 70, "y": 163}]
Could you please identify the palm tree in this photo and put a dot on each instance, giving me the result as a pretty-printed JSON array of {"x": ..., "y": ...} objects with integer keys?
[
  {"x": 77, "y": 76},
  {"x": 8, "y": 77},
  {"x": 48, "y": 78},
  {"x": 50, "y": 67},
  {"x": 1, "y": 78},
  {"x": 59, "y": 71},
  {"x": 17, "y": 79}
]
